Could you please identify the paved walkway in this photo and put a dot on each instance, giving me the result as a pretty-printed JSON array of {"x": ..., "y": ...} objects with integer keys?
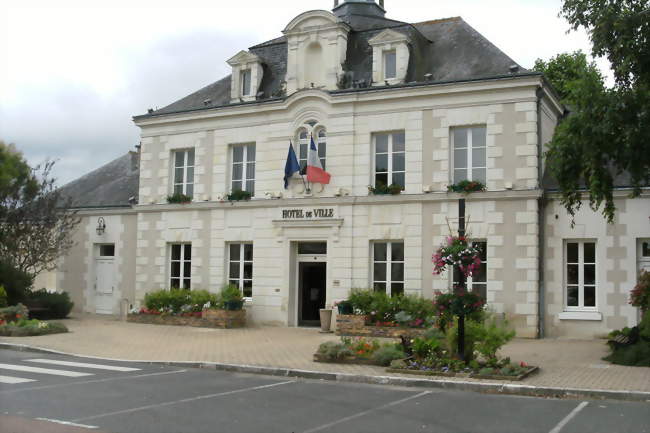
[{"x": 564, "y": 363}]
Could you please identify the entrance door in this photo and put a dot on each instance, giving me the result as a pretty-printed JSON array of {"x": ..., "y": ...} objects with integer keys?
[
  {"x": 105, "y": 280},
  {"x": 311, "y": 291}
]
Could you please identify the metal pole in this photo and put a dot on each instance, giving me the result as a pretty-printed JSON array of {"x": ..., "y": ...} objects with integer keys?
[{"x": 461, "y": 282}]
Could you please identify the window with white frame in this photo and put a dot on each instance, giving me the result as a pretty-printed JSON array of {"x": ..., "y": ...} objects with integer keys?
[
  {"x": 390, "y": 159},
  {"x": 243, "y": 168},
  {"x": 469, "y": 153},
  {"x": 245, "y": 77},
  {"x": 580, "y": 274},
  {"x": 240, "y": 267},
  {"x": 388, "y": 267},
  {"x": 477, "y": 282},
  {"x": 390, "y": 64},
  {"x": 320, "y": 140},
  {"x": 180, "y": 274},
  {"x": 184, "y": 172}
]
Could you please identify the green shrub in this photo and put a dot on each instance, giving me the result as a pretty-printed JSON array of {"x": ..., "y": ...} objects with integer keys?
[
  {"x": 14, "y": 313},
  {"x": 637, "y": 355},
  {"x": 398, "y": 364},
  {"x": 231, "y": 293},
  {"x": 491, "y": 336},
  {"x": 177, "y": 301},
  {"x": 387, "y": 354},
  {"x": 15, "y": 282},
  {"x": 332, "y": 350},
  {"x": 427, "y": 347},
  {"x": 57, "y": 305},
  {"x": 380, "y": 307},
  {"x": 473, "y": 332},
  {"x": 3, "y": 297}
]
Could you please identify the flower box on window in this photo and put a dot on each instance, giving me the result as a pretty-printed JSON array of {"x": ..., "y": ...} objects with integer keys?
[
  {"x": 382, "y": 189},
  {"x": 466, "y": 187},
  {"x": 239, "y": 195},
  {"x": 179, "y": 199}
]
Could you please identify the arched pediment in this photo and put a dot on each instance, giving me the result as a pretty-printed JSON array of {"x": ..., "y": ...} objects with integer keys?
[
  {"x": 388, "y": 36},
  {"x": 311, "y": 20}
]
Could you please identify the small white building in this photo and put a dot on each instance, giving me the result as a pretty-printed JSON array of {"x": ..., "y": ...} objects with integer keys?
[{"x": 422, "y": 105}]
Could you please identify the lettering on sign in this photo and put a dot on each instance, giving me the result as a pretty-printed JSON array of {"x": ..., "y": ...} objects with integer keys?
[{"x": 296, "y": 214}]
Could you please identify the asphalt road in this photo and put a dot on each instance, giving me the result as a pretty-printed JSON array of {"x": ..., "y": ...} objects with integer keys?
[{"x": 95, "y": 395}]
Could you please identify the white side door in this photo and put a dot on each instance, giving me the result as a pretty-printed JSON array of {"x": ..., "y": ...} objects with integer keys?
[{"x": 104, "y": 286}]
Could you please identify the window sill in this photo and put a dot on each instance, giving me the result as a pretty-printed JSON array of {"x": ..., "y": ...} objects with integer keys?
[{"x": 581, "y": 315}]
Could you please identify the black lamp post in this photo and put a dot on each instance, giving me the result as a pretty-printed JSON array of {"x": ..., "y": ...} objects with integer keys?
[{"x": 460, "y": 288}]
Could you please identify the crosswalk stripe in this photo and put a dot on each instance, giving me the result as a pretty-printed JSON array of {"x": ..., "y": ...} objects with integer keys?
[
  {"x": 9, "y": 379},
  {"x": 43, "y": 370},
  {"x": 83, "y": 365}
]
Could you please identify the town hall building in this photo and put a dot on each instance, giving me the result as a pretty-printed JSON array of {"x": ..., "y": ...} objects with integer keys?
[{"x": 418, "y": 105}]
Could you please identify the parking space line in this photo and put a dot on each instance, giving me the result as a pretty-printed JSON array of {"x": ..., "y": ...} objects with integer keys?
[
  {"x": 109, "y": 379},
  {"x": 83, "y": 365},
  {"x": 12, "y": 380},
  {"x": 569, "y": 417},
  {"x": 184, "y": 400},
  {"x": 71, "y": 424},
  {"x": 40, "y": 370},
  {"x": 365, "y": 412}
]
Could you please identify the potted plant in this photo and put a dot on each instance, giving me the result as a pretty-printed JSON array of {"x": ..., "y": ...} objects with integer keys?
[
  {"x": 466, "y": 187},
  {"x": 179, "y": 198},
  {"x": 232, "y": 298},
  {"x": 383, "y": 189},
  {"x": 343, "y": 307},
  {"x": 457, "y": 251},
  {"x": 239, "y": 195}
]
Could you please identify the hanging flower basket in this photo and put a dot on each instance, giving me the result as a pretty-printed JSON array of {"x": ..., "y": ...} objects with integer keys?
[{"x": 457, "y": 251}]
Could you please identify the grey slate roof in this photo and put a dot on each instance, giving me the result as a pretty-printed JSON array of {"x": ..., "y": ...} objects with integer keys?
[
  {"x": 109, "y": 186},
  {"x": 449, "y": 49}
]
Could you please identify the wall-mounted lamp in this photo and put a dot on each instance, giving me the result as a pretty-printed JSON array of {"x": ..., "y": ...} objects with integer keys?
[{"x": 101, "y": 226}]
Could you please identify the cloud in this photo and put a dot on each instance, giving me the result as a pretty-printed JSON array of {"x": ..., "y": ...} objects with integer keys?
[{"x": 72, "y": 76}]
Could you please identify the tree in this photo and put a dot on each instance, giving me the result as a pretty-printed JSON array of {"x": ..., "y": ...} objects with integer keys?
[
  {"x": 607, "y": 132},
  {"x": 36, "y": 225}
]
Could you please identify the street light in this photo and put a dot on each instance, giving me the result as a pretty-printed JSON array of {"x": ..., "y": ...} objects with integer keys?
[{"x": 101, "y": 226}]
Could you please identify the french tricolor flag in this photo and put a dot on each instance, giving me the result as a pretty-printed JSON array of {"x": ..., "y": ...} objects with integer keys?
[{"x": 315, "y": 172}]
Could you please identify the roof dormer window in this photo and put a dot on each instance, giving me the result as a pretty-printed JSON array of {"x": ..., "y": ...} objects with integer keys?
[
  {"x": 245, "y": 82},
  {"x": 390, "y": 64},
  {"x": 247, "y": 72},
  {"x": 390, "y": 57}
]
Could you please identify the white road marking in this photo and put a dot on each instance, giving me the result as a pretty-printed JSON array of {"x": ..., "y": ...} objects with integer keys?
[
  {"x": 43, "y": 370},
  {"x": 8, "y": 379},
  {"x": 83, "y": 365},
  {"x": 569, "y": 417},
  {"x": 365, "y": 412},
  {"x": 184, "y": 400},
  {"x": 68, "y": 423},
  {"x": 110, "y": 379}
]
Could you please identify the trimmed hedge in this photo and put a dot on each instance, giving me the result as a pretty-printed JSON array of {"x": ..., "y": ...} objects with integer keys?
[
  {"x": 380, "y": 307},
  {"x": 177, "y": 301},
  {"x": 56, "y": 305}
]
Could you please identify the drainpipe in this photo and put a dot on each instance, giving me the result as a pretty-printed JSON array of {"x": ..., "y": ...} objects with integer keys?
[{"x": 541, "y": 204}]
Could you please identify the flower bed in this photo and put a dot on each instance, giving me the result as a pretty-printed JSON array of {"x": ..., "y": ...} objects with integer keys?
[
  {"x": 508, "y": 371},
  {"x": 355, "y": 325},
  {"x": 14, "y": 322},
  {"x": 359, "y": 351},
  {"x": 223, "y": 319}
]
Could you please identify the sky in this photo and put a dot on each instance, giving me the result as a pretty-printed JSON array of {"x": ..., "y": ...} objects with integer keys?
[{"x": 72, "y": 75}]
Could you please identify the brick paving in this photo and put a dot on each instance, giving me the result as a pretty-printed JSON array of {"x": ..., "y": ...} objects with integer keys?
[{"x": 563, "y": 363}]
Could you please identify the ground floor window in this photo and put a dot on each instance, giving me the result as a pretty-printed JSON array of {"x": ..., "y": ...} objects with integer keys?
[
  {"x": 181, "y": 266},
  {"x": 240, "y": 267},
  {"x": 580, "y": 277},
  {"x": 477, "y": 282},
  {"x": 388, "y": 267}
]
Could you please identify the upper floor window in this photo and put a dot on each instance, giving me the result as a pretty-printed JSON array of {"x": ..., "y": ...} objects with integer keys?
[
  {"x": 388, "y": 267},
  {"x": 240, "y": 267},
  {"x": 246, "y": 82},
  {"x": 390, "y": 159},
  {"x": 390, "y": 64},
  {"x": 184, "y": 172},
  {"x": 180, "y": 266},
  {"x": 469, "y": 158},
  {"x": 320, "y": 140},
  {"x": 477, "y": 282},
  {"x": 580, "y": 267},
  {"x": 243, "y": 168}
]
